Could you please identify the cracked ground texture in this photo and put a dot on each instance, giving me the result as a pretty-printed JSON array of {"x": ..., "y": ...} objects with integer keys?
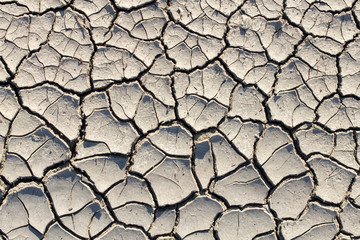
[{"x": 180, "y": 119}]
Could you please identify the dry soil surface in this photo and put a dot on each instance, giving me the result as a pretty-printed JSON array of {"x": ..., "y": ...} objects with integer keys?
[{"x": 180, "y": 119}]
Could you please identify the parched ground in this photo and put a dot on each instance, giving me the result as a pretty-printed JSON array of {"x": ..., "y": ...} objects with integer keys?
[{"x": 180, "y": 119}]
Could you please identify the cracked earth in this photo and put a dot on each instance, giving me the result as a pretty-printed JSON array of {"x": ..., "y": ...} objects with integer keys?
[{"x": 180, "y": 119}]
